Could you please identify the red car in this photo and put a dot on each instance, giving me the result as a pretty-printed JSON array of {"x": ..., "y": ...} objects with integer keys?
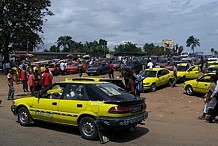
[
  {"x": 73, "y": 67},
  {"x": 54, "y": 68}
]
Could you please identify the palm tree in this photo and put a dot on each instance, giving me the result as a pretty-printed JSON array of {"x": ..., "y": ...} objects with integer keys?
[
  {"x": 215, "y": 53},
  {"x": 212, "y": 51},
  {"x": 64, "y": 42},
  {"x": 192, "y": 42}
]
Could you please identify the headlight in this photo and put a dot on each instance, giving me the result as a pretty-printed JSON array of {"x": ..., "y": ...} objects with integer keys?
[{"x": 145, "y": 83}]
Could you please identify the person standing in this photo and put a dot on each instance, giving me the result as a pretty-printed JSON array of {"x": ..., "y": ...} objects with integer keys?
[
  {"x": 207, "y": 98},
  {"x": 201, "y": 64},
  {"x": 47, "y": 79},
  {"x": 11, "y": 81},
  {"x": 80, "y": 69},
  {"x": 150, "y": 64},
  {"x": 174, "y": 75},
  {"x": 23, "y": 76},
  {"x": 138, "y": 82},
  {"x": 62, "y": 67},
  {"x": 31, "y": 82},
  {"x": 111, "y": 72}
]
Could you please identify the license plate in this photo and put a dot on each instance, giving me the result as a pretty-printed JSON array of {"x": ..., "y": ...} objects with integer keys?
[{"x": 136, "y": 109}]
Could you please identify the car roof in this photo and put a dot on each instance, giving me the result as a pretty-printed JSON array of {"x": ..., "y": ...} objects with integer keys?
[
  {"x": 93, "y": 79},
  {"x": 213, "y": 66},
  {"x": 156, "y": 68},
  {"x": 182, "y": 64},
  {"x": 82, "y": 82}
]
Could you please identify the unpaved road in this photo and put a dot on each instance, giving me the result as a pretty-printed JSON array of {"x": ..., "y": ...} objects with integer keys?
[{"x": 172, "y": 121}]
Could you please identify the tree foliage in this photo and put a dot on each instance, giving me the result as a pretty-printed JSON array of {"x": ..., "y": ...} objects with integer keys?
[
  {"x": 66, "y": 44},
  {"x": 127, "y": 47},
  {"x": 20, "y": 22},
  {"x": 192, "y": 42}
]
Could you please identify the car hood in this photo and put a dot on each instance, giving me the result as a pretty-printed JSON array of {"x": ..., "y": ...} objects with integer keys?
[{"x": 93, "y": 68}]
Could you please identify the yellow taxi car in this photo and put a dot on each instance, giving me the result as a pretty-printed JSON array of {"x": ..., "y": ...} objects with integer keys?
[
  {"x": 92, "y": 106},
  {"x": 212, "y": 69},
  {"x": 156, "y": 77},
  {"x": 186, "y": 71},
  {"x": 200, "y": 85}
]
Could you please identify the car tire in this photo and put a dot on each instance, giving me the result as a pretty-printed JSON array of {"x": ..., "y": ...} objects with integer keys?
[
  {"x": 189, "y": 90},
  {"x": 153, "y": 87},
  {"x": 24, "y": 117},
  {"x": 87, "y": 128}
]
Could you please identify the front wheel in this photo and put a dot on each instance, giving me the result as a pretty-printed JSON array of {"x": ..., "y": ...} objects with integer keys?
[
  {"x": 189, "y": 90},
  {"x": 153, "y": 87},
  {"x": 24, "y": 117},
  {"x": 87, "y": 128}
]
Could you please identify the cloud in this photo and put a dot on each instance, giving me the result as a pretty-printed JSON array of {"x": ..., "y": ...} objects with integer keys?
[{"x": 141, "y": 21}]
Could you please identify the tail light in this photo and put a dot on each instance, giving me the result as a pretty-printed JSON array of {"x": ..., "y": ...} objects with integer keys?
[{"x": 119, "y": 110}]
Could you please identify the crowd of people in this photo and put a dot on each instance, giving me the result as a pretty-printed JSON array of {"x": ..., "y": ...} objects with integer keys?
[{"x": 33, "y": 80}]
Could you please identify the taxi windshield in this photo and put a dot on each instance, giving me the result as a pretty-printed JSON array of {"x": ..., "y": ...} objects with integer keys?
[{"x": 149, "y": 73}]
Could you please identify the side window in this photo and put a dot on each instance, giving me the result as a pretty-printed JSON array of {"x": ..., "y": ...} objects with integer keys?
[
  {"x": 93, "y": 93},
  {"x": 74, "y": 92},
  {"x": 164, "y": 72},
  {"x": 54, "y": 92},
  {"x": 159, "y": 74}
]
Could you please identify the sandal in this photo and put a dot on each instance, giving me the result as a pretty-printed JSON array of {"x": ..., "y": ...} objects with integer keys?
[{"x": 201, "y": 118}]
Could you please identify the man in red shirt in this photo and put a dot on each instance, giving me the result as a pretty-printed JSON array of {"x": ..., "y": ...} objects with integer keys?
[
  {"x": 111, "y": 72},
  {"x": 47, "y": 78},
  {"x": 23, "y": 76}
]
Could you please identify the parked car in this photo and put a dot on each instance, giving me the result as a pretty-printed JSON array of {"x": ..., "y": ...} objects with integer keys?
[
  {"x": 212, "y": 68},
  {"x": 54, "y": 68},
  {"x": 186, "y": 71},
  {"x": 117, "y": 64},
  {"x": 200, "y": 85},
  {"x": 156, "y": 77},
  {"x": 91, "y": 106},
  {"x": 98, "y": 68},
  {"x": 134, "y": 65},
  {"x": 72, "y": 67}
]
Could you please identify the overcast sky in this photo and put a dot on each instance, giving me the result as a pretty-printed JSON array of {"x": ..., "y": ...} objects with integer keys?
[{"x": 136, "y": 21}]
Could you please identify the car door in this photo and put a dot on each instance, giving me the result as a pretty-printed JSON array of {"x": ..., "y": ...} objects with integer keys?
[
  {"x": 192, "y": 73},
  {"x": 203, "y": 84},
  {"x": 46, "y": 106},
  {"x": 72, "y": 104},
  {"x": 165, "y": 74},
  {"x": 160, "y": 77}
]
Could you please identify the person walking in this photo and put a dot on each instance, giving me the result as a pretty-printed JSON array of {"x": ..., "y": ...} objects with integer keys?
[
  {"x": 111, "y": 72},
  {"x": 174, "y": 75},
  {"x": 23, "y": 76},
  {"x": 11, "y": 80},
  {"x": 150, "y": 64}
]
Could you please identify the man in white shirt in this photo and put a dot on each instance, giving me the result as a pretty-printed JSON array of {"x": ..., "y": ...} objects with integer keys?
[{"x": 150, "y": 64}]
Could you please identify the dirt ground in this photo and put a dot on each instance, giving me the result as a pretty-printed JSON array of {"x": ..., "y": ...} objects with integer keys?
[{"x": 172, "y": 121}]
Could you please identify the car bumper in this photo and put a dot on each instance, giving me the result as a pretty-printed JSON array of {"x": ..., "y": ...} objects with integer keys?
[
  {"x": 120, "y": 123},
  {"x": 146, "y": 87},
  {"x": 13, "y": 109}
]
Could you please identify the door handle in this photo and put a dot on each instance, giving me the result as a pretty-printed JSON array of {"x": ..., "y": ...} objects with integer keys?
[
  {"x": 54, "y": 103},
  {"x": 205, "y": 84},
  {"x": 79, "y": 105}
]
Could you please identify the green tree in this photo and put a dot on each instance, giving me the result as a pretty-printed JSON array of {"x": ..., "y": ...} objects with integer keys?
[
  {"x": 128, "y": 48},
  {"x": 20, "y": 23},
  {"x": 64, "y": 43},
  {"x": 54, "y": 48},
  {"x": 212, "y": 51},
  {"x": 192, "y": 42}
]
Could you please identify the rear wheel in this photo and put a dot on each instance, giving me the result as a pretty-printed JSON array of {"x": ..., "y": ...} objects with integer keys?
[
  {"x": 153, "y": 87},
  {"x": 87, "y": 128},
  {"x": 189, "y": 90}
]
